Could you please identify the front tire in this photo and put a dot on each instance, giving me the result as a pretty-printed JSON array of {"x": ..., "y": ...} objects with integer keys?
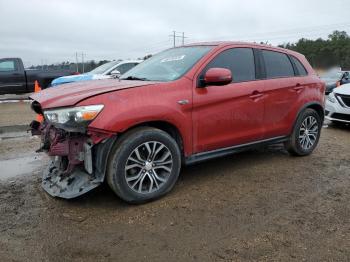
[
  {"x": 144, "y": 165},
  {"x": 306, "y": 133}
]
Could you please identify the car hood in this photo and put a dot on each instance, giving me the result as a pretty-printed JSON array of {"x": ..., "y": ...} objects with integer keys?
[
  {"x": 73, "y": 93},
  {"x": 342, "y": 90},
  {"x": 77, "y": 78}
]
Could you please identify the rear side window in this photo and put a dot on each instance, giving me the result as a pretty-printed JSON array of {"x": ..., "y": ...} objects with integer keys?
[
  {"x": 7, "y": 66},
  {"x": 277, "y": 64},
  {"x": 301, "y": 69},
  {"x": 239, "y": 60}
]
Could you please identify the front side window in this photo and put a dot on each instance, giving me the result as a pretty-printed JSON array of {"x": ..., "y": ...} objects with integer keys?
[
  {"x": 240, "y": 61},
  {"x": 168, "y": 65},
  {"x": 7, "y": 66},
  {"x": 277, "y": 64}
]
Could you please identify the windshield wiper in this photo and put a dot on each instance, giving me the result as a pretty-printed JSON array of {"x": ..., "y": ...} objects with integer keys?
[{"x": 136, "y": 78}]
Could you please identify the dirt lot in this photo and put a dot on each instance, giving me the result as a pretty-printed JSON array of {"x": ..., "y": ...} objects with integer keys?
[
  {"x": 261, "y": 205},
  {"x": 15, "y": 114}
]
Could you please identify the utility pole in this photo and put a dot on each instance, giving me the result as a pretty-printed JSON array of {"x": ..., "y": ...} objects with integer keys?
[
  {"x": 76, "y": 61},
  {"x": 175, "y": 35},
  {"x": 174, "y": 38},
  {"x": 82, "y": 60}
]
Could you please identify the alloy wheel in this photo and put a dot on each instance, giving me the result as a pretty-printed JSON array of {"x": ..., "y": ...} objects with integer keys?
[
  {"x": 308, "y": 132},
  {"x": 148, "y": 167}
]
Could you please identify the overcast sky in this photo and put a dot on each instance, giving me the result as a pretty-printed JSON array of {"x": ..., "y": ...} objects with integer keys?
[{"x": 53, "y": 30}]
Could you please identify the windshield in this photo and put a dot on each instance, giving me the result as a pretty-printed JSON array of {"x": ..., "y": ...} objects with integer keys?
[
  {"x": 102, "y": 68},
  {"x": 168, "y": 65}
]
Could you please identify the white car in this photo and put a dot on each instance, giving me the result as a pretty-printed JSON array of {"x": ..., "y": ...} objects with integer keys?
[
  {"x": 338, "y": 105},
  {"x": 107, "y": 70}
]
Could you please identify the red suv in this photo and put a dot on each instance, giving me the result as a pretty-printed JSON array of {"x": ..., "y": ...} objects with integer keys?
[{"x": 181, "y": 106}]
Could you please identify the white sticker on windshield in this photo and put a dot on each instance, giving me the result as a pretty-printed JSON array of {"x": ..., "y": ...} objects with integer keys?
[{"x": 170, "y": 59}]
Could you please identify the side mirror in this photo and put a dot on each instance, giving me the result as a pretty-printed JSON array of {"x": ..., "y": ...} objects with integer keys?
[
  {"x": 218, "y": 76},
  {"x": 115, "y": 73}
]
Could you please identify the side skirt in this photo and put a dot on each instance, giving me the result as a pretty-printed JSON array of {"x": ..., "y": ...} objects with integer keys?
[{"x": 203, "y": 156}]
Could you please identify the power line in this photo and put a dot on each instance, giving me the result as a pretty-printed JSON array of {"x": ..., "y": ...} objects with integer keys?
[
  {"x": 150, "y": 46},
  {"x": 292, "y": 31},
  {"x": 175, "y": 35}
]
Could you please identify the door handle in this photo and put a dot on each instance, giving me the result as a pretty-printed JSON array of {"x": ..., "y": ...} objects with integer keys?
[
  {"x": 298, "y": 87},
  {"x": 183, "y": 102},
  {"x": 256, "y": 95}
]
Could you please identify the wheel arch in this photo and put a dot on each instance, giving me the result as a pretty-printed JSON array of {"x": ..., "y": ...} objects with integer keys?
[
  {"x": 313, "y": 105},
  {"x": 293, "y": 145},
  {"x": 165, "y": 126},
  {"x": 318, "y": 108}
]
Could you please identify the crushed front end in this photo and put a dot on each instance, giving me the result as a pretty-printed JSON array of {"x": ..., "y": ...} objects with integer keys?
[{"x": 78, "y": 154}]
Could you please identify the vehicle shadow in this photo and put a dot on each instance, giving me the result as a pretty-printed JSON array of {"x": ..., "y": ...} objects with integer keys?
[
  {"x": 103, "y": 197},
  {"x": 339, "y": 126}
]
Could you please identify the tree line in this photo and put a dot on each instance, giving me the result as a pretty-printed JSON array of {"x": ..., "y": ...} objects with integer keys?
[
  {"x": 78, "y": 67},
  {"x": 66, "y": 65},
  {"x": 325, "y": 53}
]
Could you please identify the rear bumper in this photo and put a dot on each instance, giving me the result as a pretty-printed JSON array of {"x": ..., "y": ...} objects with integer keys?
[{"x": 78, "y": 160}]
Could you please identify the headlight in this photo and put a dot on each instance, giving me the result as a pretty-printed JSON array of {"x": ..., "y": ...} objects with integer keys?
[
  {"x": 331, "y": 98},
  {"x": 73, "y": 116}
]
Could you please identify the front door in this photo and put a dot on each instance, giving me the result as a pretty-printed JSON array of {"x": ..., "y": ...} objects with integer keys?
[{"x": 231, "y": 114}]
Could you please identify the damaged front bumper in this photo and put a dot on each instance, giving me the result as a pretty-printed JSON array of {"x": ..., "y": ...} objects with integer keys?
[{"x": 78, "y": 159}]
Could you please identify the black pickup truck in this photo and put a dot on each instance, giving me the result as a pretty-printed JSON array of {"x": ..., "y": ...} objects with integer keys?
[{"x": 14, "y": 79}]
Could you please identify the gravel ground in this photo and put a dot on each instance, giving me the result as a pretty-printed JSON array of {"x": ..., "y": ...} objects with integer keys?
[
  {"x": 261, "y": 205},
  {"x": 13, "y": 114}
]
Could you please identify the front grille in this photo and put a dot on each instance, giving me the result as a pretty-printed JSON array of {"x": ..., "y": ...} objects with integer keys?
[
  {"x": 345, "y": 99},
  {"x": 341, "y": 116}
]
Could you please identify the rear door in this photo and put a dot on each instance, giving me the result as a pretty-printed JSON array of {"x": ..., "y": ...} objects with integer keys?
[
  {"x": 12, "y": 79},
  {"x": 282, "y": 90},
  {"x": 231, "y": 114}
]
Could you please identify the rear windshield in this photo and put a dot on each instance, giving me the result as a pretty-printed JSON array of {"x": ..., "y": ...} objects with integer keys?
[{"x": 168, "y": 65}]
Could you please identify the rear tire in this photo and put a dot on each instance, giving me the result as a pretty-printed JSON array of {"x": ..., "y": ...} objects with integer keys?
[
  {"x": 143, "y": 165},
  {"x": 306, "y": 133}
]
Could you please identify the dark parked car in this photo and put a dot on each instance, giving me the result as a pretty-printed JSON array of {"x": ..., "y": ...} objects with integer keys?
[
  {"x": 334, "y": 79},
  {"x": 181, "y": 106},
  {"x": 14, "y": 79}
]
